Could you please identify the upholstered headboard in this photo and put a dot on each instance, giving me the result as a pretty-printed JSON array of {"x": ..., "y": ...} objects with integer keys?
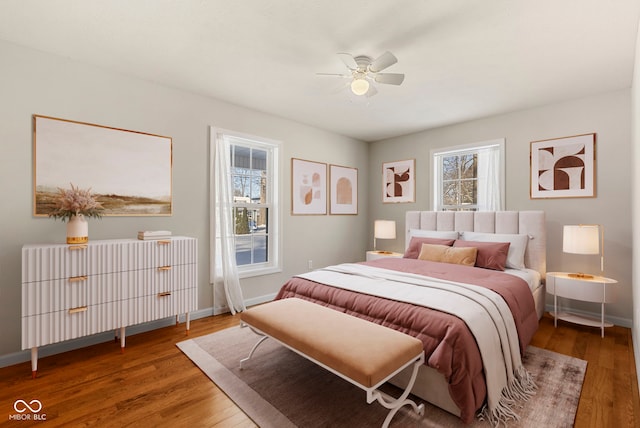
[{"x": 531, "y": 223}]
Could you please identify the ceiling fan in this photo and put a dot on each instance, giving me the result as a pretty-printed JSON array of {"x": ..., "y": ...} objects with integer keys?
[{"x": 363, "y": 71}]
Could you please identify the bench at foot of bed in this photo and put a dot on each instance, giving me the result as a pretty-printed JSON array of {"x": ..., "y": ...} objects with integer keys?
[{"x": 361, "y": 352}]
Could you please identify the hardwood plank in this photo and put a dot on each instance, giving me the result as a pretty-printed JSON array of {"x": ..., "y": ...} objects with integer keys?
[{"x": 154, "y": 384}]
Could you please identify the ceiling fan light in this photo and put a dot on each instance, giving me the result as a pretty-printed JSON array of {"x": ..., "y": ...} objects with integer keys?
[{"x": 359, "y": 86}]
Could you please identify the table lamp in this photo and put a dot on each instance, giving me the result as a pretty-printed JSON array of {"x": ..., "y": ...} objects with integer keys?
[
  {"x": 583, "y": 239},
  {"x": 383, "y": 229}
]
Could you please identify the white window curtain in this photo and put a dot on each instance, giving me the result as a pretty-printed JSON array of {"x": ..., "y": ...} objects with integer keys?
[
  {"x": 489, "y": 188},
  {"x": 224, "y": 269}
]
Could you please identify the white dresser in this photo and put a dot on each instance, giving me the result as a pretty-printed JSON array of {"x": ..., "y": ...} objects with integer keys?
[{"x": 70, "y": 291}]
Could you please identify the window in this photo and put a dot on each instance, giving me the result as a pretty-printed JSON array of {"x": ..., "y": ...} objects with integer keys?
[
  {"x": 253, "y": 174},
  {"x": 469, "y": 178}
]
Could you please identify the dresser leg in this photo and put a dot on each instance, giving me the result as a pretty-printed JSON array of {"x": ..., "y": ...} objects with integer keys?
[
  {"x": 122, "y": 339},
  {"x": 602, "y": 320},
  {"x": 34, "y": 362}
]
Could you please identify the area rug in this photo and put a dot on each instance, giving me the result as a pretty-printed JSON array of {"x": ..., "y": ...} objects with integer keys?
[{"x": 278, "y": 388}]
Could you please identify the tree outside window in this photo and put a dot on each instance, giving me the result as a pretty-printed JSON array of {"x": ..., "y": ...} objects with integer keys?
[
  {"x": 460, "y": 182},
  {"x": 469, "y": 177}
]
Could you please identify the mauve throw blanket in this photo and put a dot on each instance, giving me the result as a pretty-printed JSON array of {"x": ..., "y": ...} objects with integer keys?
[{"x": 449, "y": 346}]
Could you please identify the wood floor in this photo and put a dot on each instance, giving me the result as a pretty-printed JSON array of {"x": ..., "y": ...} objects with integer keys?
[{"x": 154, "y": 384}]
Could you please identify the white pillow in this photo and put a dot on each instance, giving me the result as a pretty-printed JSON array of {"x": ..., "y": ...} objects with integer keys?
[
  {"x": 515, "y": 257},
  {"x": 433, "y": 234}
]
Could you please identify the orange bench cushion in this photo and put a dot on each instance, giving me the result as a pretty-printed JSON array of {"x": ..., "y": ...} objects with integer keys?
[{"x": 358, "y": 349}]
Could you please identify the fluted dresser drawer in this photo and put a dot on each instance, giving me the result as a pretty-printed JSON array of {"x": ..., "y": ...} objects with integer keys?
[
  {"x": 160, "y": 305},
  {"x": 77, "y": 321}
]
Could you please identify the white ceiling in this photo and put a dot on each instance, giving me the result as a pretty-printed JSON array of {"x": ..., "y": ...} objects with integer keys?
[{"x": 463, "y": 59}]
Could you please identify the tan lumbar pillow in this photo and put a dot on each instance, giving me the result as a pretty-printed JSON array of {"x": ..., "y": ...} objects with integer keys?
[{"x": 445, "y": 254}]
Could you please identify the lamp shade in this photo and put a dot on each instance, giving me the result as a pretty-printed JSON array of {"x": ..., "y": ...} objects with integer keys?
[
  {"x": 384, "y": 229},
  {"x": 581, "y": 239}
]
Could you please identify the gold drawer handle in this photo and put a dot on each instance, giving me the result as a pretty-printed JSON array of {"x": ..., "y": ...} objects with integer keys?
[
  {"x": 164, "y": 268},
  {"x": 164, "y": 242},
  {"x": 164, "y": 294},
  {"x": 77, "y": 247},
  {"x": 77, "y": 310},
  {"x": 78, "y": 278}
]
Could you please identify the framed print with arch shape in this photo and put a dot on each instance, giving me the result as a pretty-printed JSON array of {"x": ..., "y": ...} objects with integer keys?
[
  {"x": 564, "y": 167},
  {"x": 308, "y": 187},
  {"x": 344, "y": 190},
  {"x": 398, "y": 181}
]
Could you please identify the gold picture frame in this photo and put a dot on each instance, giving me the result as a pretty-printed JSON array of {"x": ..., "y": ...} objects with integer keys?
[
  {"x": 563, "y": 167},
  {"x": 308, "y": 187},
  {"x": 399, "y": 181},
  {"x": 344, "y": 190},
  {"x": 130, "y": 172}
]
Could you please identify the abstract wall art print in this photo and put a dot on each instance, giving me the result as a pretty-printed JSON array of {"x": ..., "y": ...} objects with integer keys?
[
  {"x": 398, "y": 181},
  {"x": 344, "y": 190},
  {"x": 564, "y": 167},
  {"x": 308, "y": 187},
  {"x": 130, "y": 172}
]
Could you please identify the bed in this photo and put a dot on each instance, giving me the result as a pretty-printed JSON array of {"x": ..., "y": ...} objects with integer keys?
[{"x": 459, "y": 376}]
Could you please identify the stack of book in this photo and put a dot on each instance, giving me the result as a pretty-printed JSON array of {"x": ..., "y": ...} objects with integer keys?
[{"x": 154, "y": 234}]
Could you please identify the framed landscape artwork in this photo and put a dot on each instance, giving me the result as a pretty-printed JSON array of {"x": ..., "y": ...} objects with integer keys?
[
  {"x": 129, "y": 172},
  {"x": 398, "y": 181},
  {"x": 564, "y": 167},
  {"x": 344, "y": 190},
  {"x": 308, "y": 187}
]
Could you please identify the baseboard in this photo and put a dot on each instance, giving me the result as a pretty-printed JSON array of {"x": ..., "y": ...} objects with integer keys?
[
  {"x": 248, "y": 302},
  {"x": 82, "y": 342},
  {"x": 261, "y": 299},
  {"x": 623, "y": 322}
]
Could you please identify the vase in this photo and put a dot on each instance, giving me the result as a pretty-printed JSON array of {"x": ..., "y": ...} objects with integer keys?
[{"x": 77, "y": 230}]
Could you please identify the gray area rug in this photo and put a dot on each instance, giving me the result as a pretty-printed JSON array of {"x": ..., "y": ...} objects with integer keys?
[{"x": 278, "y": 388}]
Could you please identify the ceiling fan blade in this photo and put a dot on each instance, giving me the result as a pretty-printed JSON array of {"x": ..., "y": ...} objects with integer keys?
[
  {"x": 390, "y": 78},
  {"x": 348, "y": 60},
  {"x": 383, "y": 61},
  {"x": 334, "y": 74}
]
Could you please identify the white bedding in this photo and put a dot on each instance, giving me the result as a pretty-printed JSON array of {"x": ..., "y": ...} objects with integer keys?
[{"x": 532, "y": 277}]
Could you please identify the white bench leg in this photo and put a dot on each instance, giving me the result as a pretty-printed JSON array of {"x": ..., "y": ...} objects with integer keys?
[
  {"x": 396, "y": 404},
  {"x": 262, "y": 339}
]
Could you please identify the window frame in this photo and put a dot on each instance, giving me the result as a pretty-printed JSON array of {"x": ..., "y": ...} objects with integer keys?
[
  {"x": 436, "y": 156},
  {"x": 272, "y": 203}
]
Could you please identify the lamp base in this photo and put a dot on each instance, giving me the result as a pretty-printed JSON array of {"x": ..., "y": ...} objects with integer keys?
[
  {"x": 580, "y": 275},
  {"x": 383, "y": 252}
]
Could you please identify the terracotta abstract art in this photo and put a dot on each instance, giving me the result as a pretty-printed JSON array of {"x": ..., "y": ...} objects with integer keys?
[
  {"x": 563, "y": 167},
  {"x": 344, "y": 190},
  {"x": 398, "y": 181},
  {"x": 308, "y": 187}
]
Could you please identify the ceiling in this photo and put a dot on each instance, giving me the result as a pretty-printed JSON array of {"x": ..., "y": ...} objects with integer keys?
[{"x": 463, "y": 59}]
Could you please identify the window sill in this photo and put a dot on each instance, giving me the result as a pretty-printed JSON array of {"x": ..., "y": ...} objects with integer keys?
[{"x": 258, "y": 271}]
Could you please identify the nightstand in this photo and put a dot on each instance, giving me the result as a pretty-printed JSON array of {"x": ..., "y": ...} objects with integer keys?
[
  {"x": 597, "y": 289},
  {"x": 375, "y": 255}
]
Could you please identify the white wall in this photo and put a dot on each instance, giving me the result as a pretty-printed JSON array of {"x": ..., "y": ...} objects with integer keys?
[
  {"x": 607, "y": 115},
  {"x": 635, "y": 196},
  {"x": 32, "y": 82}
]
